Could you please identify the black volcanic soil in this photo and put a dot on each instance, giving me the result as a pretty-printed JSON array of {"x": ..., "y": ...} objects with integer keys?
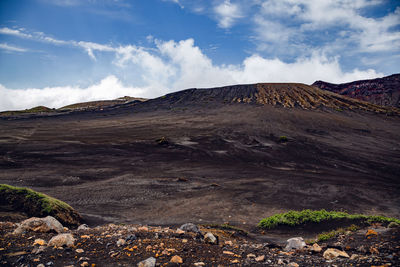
[{"x": 220, "y": 161}]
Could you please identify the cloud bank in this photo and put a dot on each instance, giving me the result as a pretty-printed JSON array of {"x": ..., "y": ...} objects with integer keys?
[{"x": 172, "y": 66}]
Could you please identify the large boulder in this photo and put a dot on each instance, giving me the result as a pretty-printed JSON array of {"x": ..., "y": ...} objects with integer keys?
[{"x": 43, "y": 225}]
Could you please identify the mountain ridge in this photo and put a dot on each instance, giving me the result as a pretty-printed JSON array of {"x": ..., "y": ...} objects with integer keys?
[{"x": 383, "y": 91}]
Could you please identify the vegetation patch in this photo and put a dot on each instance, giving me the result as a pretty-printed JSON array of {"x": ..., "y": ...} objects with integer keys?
[
  {"x": 38, "y": 204},
  {"x": 296, "y": 218},
  {"x": 226, "y": 227},
  {"x": 283, "y": 139}
]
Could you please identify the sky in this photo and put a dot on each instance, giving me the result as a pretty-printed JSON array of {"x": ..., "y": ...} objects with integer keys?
[{"x": 58, "y": 52}]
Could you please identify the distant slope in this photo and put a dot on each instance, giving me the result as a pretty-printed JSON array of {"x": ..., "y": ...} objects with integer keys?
[
  {"x": 289, "y": 95},
  {"x": 382, "y": 91},
  {"x": 35, "y": 110},
  {"x": 102, "y": 103}
]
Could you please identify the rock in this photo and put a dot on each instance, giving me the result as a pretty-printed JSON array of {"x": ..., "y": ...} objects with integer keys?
[
  {"x": 176, "y": 259},
  {"x": 316, "y": 248},
  {"x": 235, "y": 261},
  {"x": 83, "y": 259},
  {"x": 180, "y": 232},
  {"x": 62, "y": 240},
  {"x": 83, "y": 227},
  {"x": 150, "y": 262},
  {"x": 130, "y": 239},
  {"x": 371, "y": 232},
  {"x": 79, "y": 250},
  {"x": 260, "y": 258},
  {"x": 354, "y": 257},
  {"x": 85, "y": 236},
  {"x": 228, "y": 253},
  {"x": 39, "y": 242},
  {"x": 199, "y": 264},
  {"x": 332, "y": 253},
  {"x": 44, "y": 225},
  {"x": 280, "y": 262},
  {"x": 40, "y": 265},
  {"x": 229, "y": 243},
  {"x": 251, "y": 255},
  {"x": 190, "y": 227},
  {"x": 210, "y": 239},
  {"x": 295, "y": 243},
  {"x": 39, "y": 250},
  {"x": 293, "y": 264},
  {"x": 143, "y": 228},
  {"x": 84, "y": 264},
  {"x": 121, "y": 242}
]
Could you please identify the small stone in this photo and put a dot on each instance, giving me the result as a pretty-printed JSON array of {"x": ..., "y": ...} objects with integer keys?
[
  {"x": 190, "y": 227},
  {"x": 293, "y": 264},
  {"x": 374, "y": 250},
  {"x": 316, "y": 248},
  {"x": 121, "y": 242},
  {"x": 79, "y": 250},
  {"x": 295, "y": 243},
  {"x": 210, "y": 239},
  {"x": 84, "y": 264},
  {"x": 176, "y": 259},
  {"x": 235, "y": 261},
  {"x": 260, "y": 258},
  {"x": 280, "y": 262},
  {"x": 150, "y": 262},
  {"x": 50, "y": 263},
  {"x": 332, "y": 253},
  {"x": 143, "y": 228},
  {"x": 83, "y": 227},
  {"x": 371, "y": 232},
  {"x": 62, "y": 240},
  {"x": 85, "y": 236},
  {"x": 229, "y": 243},
  {"x": 199, "y": 264},
  {"x": 39, "y": 250},
  {"x": 228, "y": 253},
  {"x": 354, "y": 257},
  {"x": 251, "y": 255},
  {"x": 184, "y": 240},
  {"x": 39, "y": 242},
  {"x": 40, "y": 265},
  {"x": 180, "y": 232},
  {"x": 83, "y": 259},
  {"x": 65, "y": 229},
  {"x": 130, "y": 238}
]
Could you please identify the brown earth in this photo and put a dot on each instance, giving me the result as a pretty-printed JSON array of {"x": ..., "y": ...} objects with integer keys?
[{"x": 221, "y": 159}]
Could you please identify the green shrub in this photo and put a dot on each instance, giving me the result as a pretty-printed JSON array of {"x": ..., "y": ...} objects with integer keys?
[{"x": 293, "y": 218}]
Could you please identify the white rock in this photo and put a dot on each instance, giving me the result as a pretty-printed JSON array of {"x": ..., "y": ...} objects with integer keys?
[
  {"x": 295, "y": 243},
  {"x": 43, "y": 225},
  {"x": 62, "y": 240},
  {"x": 332, "y": 253},
  {"x": 210, "y": 238},
  {"x": 150, "y": 262}
]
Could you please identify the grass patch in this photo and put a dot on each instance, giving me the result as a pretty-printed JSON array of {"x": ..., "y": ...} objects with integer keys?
[
  {"x": 331, "y": 234},
  {"x": 37, "y": 204},
  {"x": 226, "y": 227},
  {"x": 295, "y": 218}
]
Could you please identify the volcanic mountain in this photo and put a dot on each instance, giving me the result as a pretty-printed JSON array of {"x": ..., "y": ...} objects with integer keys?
[
  {"x": 381, "y": 91},
  {"x": 231, "y": 154}
]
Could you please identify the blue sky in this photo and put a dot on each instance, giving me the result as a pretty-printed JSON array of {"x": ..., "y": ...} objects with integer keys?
[{"x": 56, "y": 52}]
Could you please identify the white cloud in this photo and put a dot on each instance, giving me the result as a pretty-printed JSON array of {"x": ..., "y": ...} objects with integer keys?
[
  {"x": 227, "y": 13},
  {"x": 108, "y": 88},
  {"x": 14, "y": 32},
  {"x": 176, "y": 2},
  {"x": 304, "y": 19},
  {"x": 12, "y": 48}
]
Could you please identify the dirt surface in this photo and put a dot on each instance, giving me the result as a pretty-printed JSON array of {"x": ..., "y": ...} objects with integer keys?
[{"x": 219, "y": 162}]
